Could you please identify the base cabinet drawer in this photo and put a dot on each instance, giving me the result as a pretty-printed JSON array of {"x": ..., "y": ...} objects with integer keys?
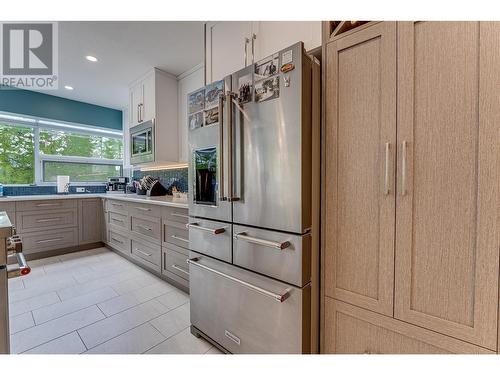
[
  {"x": 49, "y": 240},
  {"x": 119, "y": 241},
  {"x": 116, "y": 206},
  {"x": 29, "y": 221},
  {"x": 175, "y": 262},
  {"x": 49, "y": 204},
  {"x": 147, "y": 229},
  {"x": 245, "y": 312},
  {"x": 147, "y": 252},
  {"x": 179, "y": 215},
  {"x": 353, "y": 330},
  {"x": 118, "y": 220},
  {"x": 175, "y": 233}
]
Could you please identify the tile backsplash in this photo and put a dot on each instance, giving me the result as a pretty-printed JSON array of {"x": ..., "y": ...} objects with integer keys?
[
  {"x": 168, "y": 177},
  {"x": 52, "y": 189}
]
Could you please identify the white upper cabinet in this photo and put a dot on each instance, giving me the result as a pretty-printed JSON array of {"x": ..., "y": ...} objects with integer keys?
[
  {"x": 272, "y": 36},
  {"x": 226, "y": 43},
  {"x": 154, "y": 96},
  {"x": 232, "y": 45}
]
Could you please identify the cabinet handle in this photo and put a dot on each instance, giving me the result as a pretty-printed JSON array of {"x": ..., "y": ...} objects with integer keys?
[
  {"x": 253, "y": 47},
  {"x": 246, "y": 51},
  {"x": 179, "y": 238},
  {"x": 145, "y": 228},
  {"x": 403, "y": 168},
  {"x": 387, "y": 161},
  {"x": 117, "y": 204},
  {"x": 117, "y": 240},
  {"x": 143, "y": 252},
  {"x": 48, "y": 220},
  {"x": 47, "y": 204},
  {"x": 142, "y": 208},
  {"x": 180, "y": 215},
  {"x": 50, "y": 240},
  {"x": 118, "y": 220},
  {"x": 176, "y": 267}
]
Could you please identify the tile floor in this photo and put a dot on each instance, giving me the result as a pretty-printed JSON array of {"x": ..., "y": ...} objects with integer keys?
[{"x": 97, "y": 302}]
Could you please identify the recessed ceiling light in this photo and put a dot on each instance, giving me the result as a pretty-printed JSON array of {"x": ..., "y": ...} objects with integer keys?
[
  {"x": 68, "y": 87},
  {"x": 91, "y": 58}
]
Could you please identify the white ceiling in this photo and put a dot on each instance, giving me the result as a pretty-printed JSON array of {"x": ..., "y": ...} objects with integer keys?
[{"x": 125, "y": 50}]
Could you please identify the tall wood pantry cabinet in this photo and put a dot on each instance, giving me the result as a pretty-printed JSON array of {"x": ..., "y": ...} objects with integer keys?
[{"x": 411, "y": 186}]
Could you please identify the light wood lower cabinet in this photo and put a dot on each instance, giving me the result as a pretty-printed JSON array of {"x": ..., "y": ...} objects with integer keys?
[
  {"x": 36, "y": 242},
  {"x": 358, "y": 331},
  {"x": 411, "y": 224},
  {"x": 90, "y": 220}
]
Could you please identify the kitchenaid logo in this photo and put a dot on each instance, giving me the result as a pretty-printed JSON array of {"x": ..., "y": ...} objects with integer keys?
[{"x": 29, "y": 55}]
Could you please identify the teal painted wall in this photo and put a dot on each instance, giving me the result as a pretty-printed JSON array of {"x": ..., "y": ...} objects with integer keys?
[{"x": 55, "y": 108}]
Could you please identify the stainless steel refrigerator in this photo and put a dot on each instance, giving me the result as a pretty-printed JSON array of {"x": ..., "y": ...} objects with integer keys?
[{"x": 251, "y": 205}]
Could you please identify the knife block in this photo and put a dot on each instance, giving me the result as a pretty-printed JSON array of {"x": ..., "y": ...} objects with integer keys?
[{"x": 157, "y": 189}]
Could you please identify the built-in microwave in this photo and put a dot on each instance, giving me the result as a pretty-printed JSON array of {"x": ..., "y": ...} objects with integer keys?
[{"x": 142, "y": 143}]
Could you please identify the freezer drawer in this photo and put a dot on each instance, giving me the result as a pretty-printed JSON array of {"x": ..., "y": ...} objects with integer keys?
[
  {"x": 211, "y": 238},
  {"x": 283, "y": 256},
  {"x": 245, "y": 312}
]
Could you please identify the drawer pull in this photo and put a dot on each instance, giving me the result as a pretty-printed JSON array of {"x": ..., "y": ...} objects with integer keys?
[
  {"x": 277, "y": 297},
  {"x": 117, "y": 204},
  {"x": 178, "y": 268},
  {"x": 48, "y": 220},
  {"x": 116, "y": 240},
  {"x": 143, "y": 209},
  {"x": 179, "y": 238},
  {"x": 205, "y": 229},
  {"x": 143, "y": 252},
  {"x": 145, "y": 228},
  {"x": 47, "y": 204},
  {"x": 118, "y": 220},
  {"x": 50, "y": 240},
  {"x": 259, "y": 241},
  {"x": 179, "y": 215}
]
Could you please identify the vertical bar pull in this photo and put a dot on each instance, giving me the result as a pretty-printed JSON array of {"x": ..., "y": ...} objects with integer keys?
[
  {"x": 253, "y": 47},
  {"x": 246, "y": 51},
  {"x": 387, "y": 189},
  {"x": 403, "y": 168},
  {"x": 221, "y": 148}
]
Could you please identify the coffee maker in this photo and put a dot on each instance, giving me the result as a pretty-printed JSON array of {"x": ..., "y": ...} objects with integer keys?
[{"x": 117, "y": 184}]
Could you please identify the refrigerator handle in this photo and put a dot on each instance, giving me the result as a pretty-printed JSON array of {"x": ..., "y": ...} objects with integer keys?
[
  {"x": 231, "y": 97},
  {"x": 253, "y": 47},
  {"x": 221, "y": 148}
]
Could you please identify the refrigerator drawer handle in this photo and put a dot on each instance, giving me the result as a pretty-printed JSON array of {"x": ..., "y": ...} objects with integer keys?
[
  {"x": 277, "y": 297},
  {"x": 259, "y": 241},
  {"x": 180, "y": 269},
  {"x": 21, "y": 269},
  {"x": 205, "y": 229}
]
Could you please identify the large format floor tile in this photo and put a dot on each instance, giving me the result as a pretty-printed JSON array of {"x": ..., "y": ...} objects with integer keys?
[{"x": 96, "y": 301}]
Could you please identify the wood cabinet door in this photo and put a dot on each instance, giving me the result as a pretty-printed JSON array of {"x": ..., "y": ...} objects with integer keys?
[
  {"x": 90, "y": 228},
  {"x": 359, "y": 331},
  {"x": 359, "y": 168},
  {"x": 447, "y": 242}
]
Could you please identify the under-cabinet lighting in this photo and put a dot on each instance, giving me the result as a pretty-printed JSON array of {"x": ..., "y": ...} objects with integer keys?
[{"x": 162, "y": 167}]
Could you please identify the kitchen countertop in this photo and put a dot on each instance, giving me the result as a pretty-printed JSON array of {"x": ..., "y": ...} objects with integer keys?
[
  {"x": 162, "y": 201},
  {"x": 5, "y": 225}
]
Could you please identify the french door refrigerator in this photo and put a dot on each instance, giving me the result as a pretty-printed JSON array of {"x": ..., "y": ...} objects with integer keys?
[{"x": 251, "y": 206}]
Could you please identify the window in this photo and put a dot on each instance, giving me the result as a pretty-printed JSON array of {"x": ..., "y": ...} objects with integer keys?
[{"x": 37, "y": 150}]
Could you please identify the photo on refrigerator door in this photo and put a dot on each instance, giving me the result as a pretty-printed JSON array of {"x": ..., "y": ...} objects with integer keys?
[
  {"x": 196, "y": 101},
  {"x": 212, "y": 116},
  {"x": 196, "y": 120},
  {"x": 212, "y": 93},
  {"x": 267, "y": 89},
  {"x": 267, "y": 67},
  {"x": 245, "y": 88}
]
